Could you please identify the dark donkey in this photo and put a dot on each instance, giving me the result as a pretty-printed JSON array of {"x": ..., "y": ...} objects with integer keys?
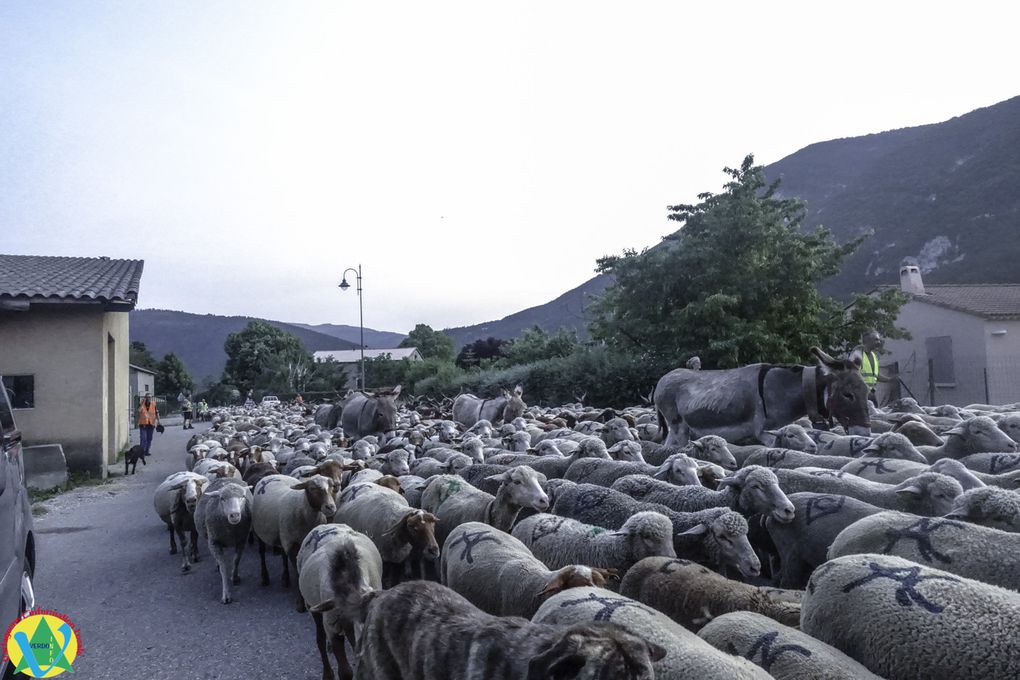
[
  {"x": 469, "y": 409},
  {"x": 366, "y": 413},
  {"x": 739, "y": 404}
]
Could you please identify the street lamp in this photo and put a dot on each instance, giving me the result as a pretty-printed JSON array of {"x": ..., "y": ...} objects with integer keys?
[{"x": 361, "y": 314}]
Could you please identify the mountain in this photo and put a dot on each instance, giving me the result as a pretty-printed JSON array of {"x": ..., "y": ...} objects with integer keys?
[
  {"x": 373, "y": 339},
  {"x": 944, "y": 193},
  {"x": 198, "y": 338},
  {"x": 566, "y": 311}
]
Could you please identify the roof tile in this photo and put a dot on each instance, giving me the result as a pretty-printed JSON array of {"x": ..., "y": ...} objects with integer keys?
[{"x": 70, "y": 278}]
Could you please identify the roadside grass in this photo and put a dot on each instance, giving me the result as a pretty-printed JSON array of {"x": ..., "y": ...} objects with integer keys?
[{"x": 74, "y": 480}]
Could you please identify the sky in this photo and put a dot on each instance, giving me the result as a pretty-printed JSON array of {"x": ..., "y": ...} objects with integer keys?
[{"x": 475, "y": 158}]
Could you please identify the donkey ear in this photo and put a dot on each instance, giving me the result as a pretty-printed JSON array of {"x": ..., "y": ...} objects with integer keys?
[
  {"x": 825, "y": 362},
  {"x": 518, "y": 391},
  {"x": 396, "y": 391}
]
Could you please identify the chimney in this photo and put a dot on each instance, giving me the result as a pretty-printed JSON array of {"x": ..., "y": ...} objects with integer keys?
[{"x": 910, "y": 277}]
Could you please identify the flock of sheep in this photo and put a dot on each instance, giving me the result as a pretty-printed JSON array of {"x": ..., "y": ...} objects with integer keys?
[{"x": 566, "y": 543}]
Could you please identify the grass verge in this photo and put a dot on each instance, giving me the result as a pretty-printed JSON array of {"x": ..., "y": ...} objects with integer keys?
[{"x": 74, "y": 481}]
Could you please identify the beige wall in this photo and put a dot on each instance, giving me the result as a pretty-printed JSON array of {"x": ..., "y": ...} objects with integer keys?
[
  {"x": 66, "y": 349},
  {"x": 969, "y": 341}
]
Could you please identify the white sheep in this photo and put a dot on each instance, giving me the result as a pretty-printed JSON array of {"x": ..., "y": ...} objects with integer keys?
[
  {"x": 499, "y": 575},
  {"x": 782, "y": 651},
  {"x": 284, "y": 510},
  {"x": 988, "y": 506},
  {"x": 223, "y": 516},
  {"x": 976, "y": 552},
  {"x": 561, "y": 541},
  {"x": 175, "y": 501},
  {"x": 337, "y": 568},
  {"x": 903, "y": 620},
  {"x": 399, "y": 531},
  {"x": 687, "y": 656}
]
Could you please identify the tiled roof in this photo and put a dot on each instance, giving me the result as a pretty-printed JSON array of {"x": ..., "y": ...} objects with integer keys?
[
  {"x": 350, "y": 356},
  {"x": 75, "y": 279},
  {"x": 990, "y": 301}
]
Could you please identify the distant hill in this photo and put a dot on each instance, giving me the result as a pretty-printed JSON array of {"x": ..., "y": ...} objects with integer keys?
[
  {"x": 566, "y": 311},
  {"x": 373, "y": 339},
  {"x": 198, "y": 338},
  {"x": 944, "y": 193}
]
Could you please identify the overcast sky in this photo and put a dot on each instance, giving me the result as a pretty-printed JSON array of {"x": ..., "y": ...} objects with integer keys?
[{"x": 475, "y": 157}]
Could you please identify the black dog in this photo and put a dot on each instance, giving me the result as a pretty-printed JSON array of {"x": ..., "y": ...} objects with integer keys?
[{"x": 134, "y": 454}]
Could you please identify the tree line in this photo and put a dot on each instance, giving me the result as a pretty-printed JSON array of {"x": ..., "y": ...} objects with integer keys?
[{"x": 736, "y": 284}]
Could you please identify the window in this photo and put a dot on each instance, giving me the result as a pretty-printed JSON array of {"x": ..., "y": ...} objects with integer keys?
[
  {"x": 20, "y": 390},
  {"x": 940, "y": 354}
]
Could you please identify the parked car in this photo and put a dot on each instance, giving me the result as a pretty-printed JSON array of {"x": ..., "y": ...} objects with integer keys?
[
  {"x": 270, "y": 400},
  {"x": 17, "y": 540}
]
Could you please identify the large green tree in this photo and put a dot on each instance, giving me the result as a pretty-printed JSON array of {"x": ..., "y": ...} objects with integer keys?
[
  {"x": 172, "y": 377},
  {"x": 139, "y": 355},
  {"x": 431, "y": 344},
  {"x": 534, "y": 344},
  {"x": 735, "y": 285},
  {"x": 265, "y": 356}
]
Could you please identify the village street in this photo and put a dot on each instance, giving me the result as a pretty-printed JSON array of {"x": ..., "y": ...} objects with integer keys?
[{"x": 103, "y": 561}]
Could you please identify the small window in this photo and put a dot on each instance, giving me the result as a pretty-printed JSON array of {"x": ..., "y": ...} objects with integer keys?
[
  {"x": 940, "y": 354},
  {"x": 20, "y": 390},
  {"x": 146, "y": 387}
]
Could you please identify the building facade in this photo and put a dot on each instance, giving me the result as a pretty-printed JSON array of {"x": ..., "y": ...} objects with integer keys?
[
  {"x": 351, "y": 359},
  {"x": 965, "y": 341},
  {"x": 64, "y": 352}
]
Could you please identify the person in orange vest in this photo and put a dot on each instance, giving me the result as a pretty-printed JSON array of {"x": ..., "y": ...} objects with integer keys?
[{"x": 148, "y": 419}]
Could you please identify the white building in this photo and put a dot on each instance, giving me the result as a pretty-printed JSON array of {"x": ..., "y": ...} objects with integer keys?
[{"x": 351, "y": 359}]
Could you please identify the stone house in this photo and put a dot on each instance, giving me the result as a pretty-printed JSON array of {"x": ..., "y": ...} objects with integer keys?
[{"x": 64, "y": 352}]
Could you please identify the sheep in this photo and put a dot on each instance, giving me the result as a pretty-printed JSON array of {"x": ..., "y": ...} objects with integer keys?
[
  {"x": 678, "y": 469},
  {"x": 793, "y": 437},
  {"x": 627, "y": 450},
  {"x": 894, "y": 472},
  {"x": 918, "y": 433},
  {"x": 426, "y": 631},
  {"x": 617, "y": 430},
  {"x": 519, "y": 487},
  {"x": 710, "y": 448},
  {"x": 803, "y": 544},
  {"x": 791, "y": 460},
  {"x": 392, "y": 463},
  {"x": 484, "y": 476},
  {"x": 554, "y": 467},
  {"x": 987, "y": 555},
  {"x": 750, "y": 491},
  {"x": 977, "y": 435},
  {"x": 1010, "y": 424},
  {"x": 926, "y": 494},
  {"x": 411, "y": 486},
  {"x": 892, "y": 445},
  {"x": 364, "y": 476},
  {"x": 216, "y": 469},
  {"x": 716, "y": 536},
  {"x": 430, "y": 467},
  {"x": 782, "y": 651},
  {"x": 337, "y": 568},
  {"x": 223, "y": 516},
  {"x": 499, "y": 575},
  {"x": 397, "y": 529},
  {"x": 692, "y": 595},
  {"x": 257, "y": 471},
  {"x": 175, "y": 501},
  {"x": 992, "y": 463},
  {"x": 849, "y": 446},
  {"x": 990, "y": 507},
  {"x": 561, "y": 541},
  {"x": 903, "y": 620},
  {"x": 284, "y": 510},
  {"x": 687, "y": 656},
  {"x": 296, "y": 462}
]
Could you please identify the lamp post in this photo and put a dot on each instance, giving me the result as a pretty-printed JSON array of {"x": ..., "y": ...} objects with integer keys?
[{"x": 361, "y": 314}]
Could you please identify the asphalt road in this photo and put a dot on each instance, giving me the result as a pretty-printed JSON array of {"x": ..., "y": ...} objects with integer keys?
[{"x": 103, "y": 561}]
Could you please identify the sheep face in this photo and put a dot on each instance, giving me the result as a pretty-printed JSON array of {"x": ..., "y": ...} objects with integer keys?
[
  {"x": 679, "y": 469},
  {"x": 601, "y": 650},
  {"x": 982, "y": 434},
  {"x": 759, "y": 493},
  {"x": 519, "y": 423},
  {"x": 362, "y": 450},
  {"x": 713, "y": 449},
  {"x": 397, "y": 463},
  {"x": 419, "y": 529},
  {"x": 458, "y": 463},
  {"x": 519, "y": 441},
  {"x": 1010, "y": 425},
  {"x": 618, "y": 430},
  {"x": 593, "y": 448},
  {"x": 474, "y": 449},
  {"x": 320, "y": 492},
  {"x": 524, "y": 487},
  {"x": 726, "y": 538},
  {"x": 989, "y": 506},
  {"x": 548, "y": 448},
  {"x": 191, "y": 490},
  {"x": 893, "y": 445},
  {"x": 958, "y": 471},
  {"x": 627, "y": 450},
  {"x": 233, "y": 502},
  {"x": 794, "y": 437},
  {"x": 929, "y": 493},
  {"x": 650, "y": 535},
  {"x": 577, "y": 576},
  {"x": 483, "y": 428},
  {"x": 447, "y": 431}
]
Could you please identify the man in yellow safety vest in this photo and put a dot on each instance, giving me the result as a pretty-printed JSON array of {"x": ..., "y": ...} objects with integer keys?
[{"x": 865, "y": 355}]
